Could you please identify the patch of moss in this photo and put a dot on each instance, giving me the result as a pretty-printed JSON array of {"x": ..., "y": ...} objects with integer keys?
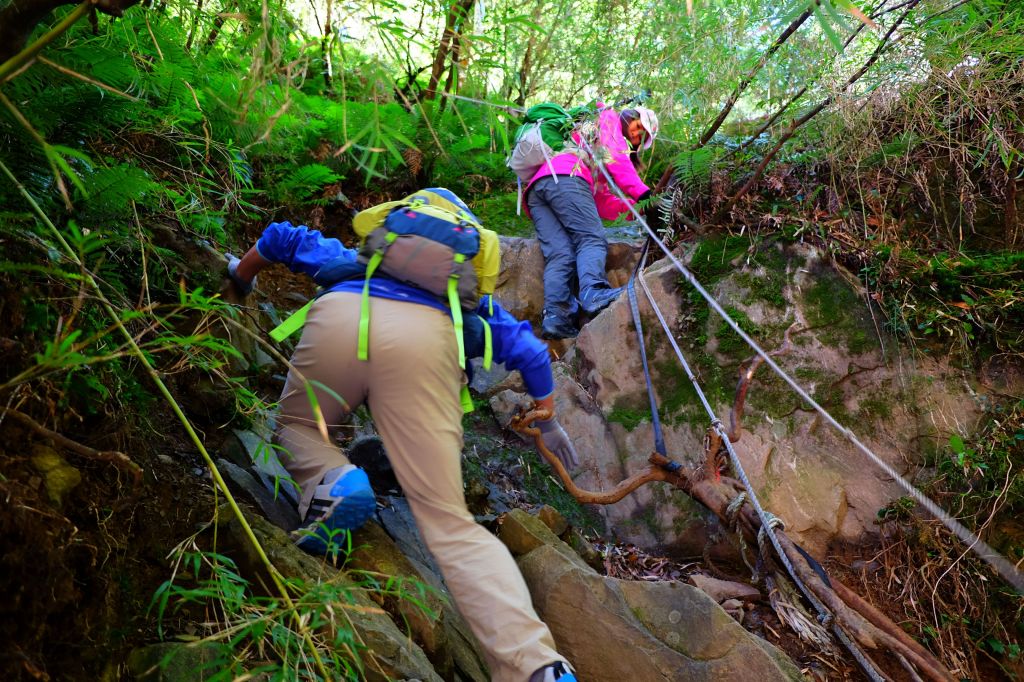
[
  {"x": 649, "y": 520},
  {"x": 628, "y": 413},
  {"x": 696, "y": 319},
  {"x": 713, "y": 257},
  {"x": 832, "y": 399},
  {"x": 498, "y": 212},
  {"x": 769, "y": 394},
  {"x": 677, "y": 398},
  {"x": 769, "y": 286},
  {"x": 879, "y": 407},
  {"x": 810, "y": 374},
  {"x": 730, "y": 343},
  {"x": 839, "y": 314}
]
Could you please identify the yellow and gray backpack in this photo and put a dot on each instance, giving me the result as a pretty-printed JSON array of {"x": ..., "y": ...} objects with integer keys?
[{"x": 431, "y": 240}]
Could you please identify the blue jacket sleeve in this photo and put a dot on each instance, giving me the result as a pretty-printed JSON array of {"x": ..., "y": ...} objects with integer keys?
[
  {"x": 515, "y": 346},
  {"x": 300, "y": 248}
]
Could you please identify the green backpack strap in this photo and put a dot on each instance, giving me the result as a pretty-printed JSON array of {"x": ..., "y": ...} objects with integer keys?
[
  {"x": 464, "y": 396},
  {"x": 488, "y": 347},
  {"x": 363, "y": 349},
  {"x": 453, "y": 303},
  {"x": 292, "y": 324},
  {"x": 466, "y": 399}
]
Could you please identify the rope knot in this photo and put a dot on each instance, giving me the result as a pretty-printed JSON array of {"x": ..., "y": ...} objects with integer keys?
[
  {"x": 771, "y": 522},
  {"x": 734, "y": 507}
]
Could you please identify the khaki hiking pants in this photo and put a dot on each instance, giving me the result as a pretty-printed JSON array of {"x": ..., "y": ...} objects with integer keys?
[{"x": 411, "y": 384}]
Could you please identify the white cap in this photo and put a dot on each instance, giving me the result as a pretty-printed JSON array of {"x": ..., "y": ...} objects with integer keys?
[{"x": 649, "y": 120}]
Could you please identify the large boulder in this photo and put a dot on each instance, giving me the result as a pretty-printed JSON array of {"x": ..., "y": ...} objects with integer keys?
[
  {"x": 615, "y": 630},
  {"x": 429, "y": 616},
  {"x": 520, "y": 287},
  {"x": 803, "y": 470}
]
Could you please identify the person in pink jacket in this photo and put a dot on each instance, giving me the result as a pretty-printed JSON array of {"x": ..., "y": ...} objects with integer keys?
[{"x": 567, "y": 199}]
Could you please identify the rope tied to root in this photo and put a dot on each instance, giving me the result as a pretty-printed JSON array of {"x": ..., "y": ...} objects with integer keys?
[
  {"x": 771, "y": 522},
  {"x": 734, "y": 508}
]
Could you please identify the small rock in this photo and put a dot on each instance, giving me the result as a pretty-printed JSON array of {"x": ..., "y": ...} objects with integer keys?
[
  {"x": 553, "y": 519},
  {"x": 734, "y": 607},
  {"x": 165, "y": 459},
  {"x": 172, "y": 661},
  {"x": 522, "y": 533},
  {"x": 484, "y": 380},
  {"x": 582, "y": 546},
  {"x": 261, "y": 359},
  {"x": 278, "y": 509}
]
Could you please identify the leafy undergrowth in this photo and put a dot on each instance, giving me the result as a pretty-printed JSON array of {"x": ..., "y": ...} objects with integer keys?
[{"x": 80, "y": 569}]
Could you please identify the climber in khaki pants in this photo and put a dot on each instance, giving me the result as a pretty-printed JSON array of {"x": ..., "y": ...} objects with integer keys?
[{"x": 411, "y": 381}]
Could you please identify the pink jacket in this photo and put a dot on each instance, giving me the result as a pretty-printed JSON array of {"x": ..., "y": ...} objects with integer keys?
[{"x": 616, "y": 160}]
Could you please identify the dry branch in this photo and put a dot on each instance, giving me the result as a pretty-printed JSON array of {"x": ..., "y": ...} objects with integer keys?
[
  {"x": 119, "y": 459},
  {"x": 749, "y": 77},
  {"x": 740, "y": 88},
  {"x": 724, "y": 210}
]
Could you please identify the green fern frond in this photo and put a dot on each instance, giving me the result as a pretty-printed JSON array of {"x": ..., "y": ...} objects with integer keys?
[
  {"x": 112, "y": 190},
  {"x": 694, "y": 167},
  {"x": 303, "y": 182}
]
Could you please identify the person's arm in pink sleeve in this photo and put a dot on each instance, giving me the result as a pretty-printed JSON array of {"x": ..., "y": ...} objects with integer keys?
[
  {"x": 619, "y": 166},
  {"x": 610, "y": 206}
]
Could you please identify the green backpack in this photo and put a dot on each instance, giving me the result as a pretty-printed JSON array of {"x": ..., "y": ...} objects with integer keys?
[
  {"x": 544, "y": 132},
  {"x": 541, "y": 135}
]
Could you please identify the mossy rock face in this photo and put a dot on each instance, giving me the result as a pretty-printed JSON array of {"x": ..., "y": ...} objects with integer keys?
[
  {"x": 843, "y": 316},
  {"x": 821, "y": 485}
]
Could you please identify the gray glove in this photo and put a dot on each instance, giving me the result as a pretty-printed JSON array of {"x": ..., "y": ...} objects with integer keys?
[
  {"x": 557, "y": 441},
  {"x": 243, "y": 286}
]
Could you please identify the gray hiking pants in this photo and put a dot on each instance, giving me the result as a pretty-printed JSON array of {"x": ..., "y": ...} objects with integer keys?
[{"x": 571, "y": 237}]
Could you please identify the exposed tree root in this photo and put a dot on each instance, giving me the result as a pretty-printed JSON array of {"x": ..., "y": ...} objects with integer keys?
[{"x": 865, "y": 624}]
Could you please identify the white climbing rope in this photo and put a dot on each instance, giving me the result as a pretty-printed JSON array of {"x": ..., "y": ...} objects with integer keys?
[
  {"x": 1007, "y": 570},
  {"x": 768, "y": 520}
]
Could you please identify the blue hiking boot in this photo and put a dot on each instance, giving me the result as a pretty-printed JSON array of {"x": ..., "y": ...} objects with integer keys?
[
  {"x": 342, "y": 502},
  {"x": 595, "y": 299},
  {"x": 555, "y": 672}
]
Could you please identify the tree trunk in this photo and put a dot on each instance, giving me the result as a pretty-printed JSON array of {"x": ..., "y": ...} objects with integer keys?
[
  {"x": 195, "y": 25},
  {"x": 325, "y": 51},
  {"x": 19, "y": 19},
  {"x": 458, "y": 10},
  {"x": 218, "y": 24}
]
